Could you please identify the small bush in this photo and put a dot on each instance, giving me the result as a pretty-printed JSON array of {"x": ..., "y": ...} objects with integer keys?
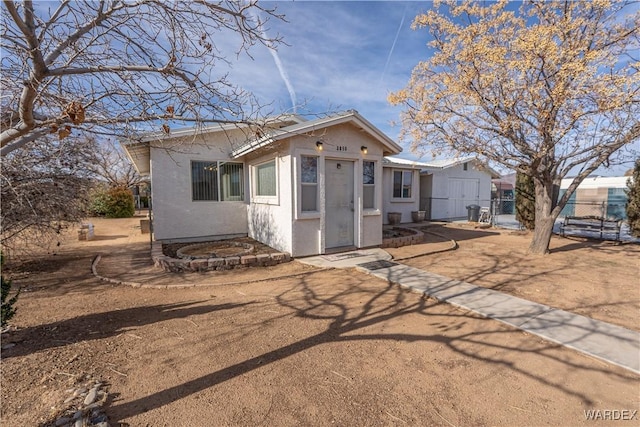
[
  {"x": 7, "y": 309},
  {"x": 120, "y": 203},
  {"x": 99, "y": 202},
  {"x": 115, "y": 202}
]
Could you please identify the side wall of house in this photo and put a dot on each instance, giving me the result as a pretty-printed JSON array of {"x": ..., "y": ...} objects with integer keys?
[
  {"x": 402, "y": 205},
  {"x": 444, "y": 204},
  {"x": 269, "y": 218},
  {"x": 176, "y": 216}
]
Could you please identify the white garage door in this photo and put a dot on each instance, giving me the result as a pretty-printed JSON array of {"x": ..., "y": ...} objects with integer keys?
[{"x": 462, "y": 192}]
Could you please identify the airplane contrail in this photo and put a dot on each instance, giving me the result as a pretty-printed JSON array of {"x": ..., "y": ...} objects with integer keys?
[
  {"x": 276, "y": 59},
  {"x": 393, "y": 46},
  {"x": 285, "y": 77}
]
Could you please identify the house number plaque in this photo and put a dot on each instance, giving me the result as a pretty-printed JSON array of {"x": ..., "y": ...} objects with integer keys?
[{"x": 341, "y": 147}]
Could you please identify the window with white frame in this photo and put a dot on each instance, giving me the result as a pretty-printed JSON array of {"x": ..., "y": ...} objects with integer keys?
[
  {"x": 217, "y": 181},
  {"x": 368, "y": 184},
  {"x": 402, "y": 184},
  {"x": 265, "y": 179},
  {"x": 309, "y": 183},
  {"x": 232, "y": 181}
]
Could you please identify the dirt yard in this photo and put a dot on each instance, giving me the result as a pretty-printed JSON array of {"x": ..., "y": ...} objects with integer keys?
[
  {"x": 328, "y": 347},
  {"x": 598, "y": 279}
]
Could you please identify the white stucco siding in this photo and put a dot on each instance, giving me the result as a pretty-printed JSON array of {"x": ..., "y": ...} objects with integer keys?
[
  {"x": 175, "y": 214},
  {"x": 269, "y": 218},
  {"x": 442, "y": 203},
  {"x": 307, "y": 239},
  {"x": 268, "y": 225},
  {"x": 371, "y": 231},
  {"x": 402, "y": 205},
  {"x": 342, "y": 142}
]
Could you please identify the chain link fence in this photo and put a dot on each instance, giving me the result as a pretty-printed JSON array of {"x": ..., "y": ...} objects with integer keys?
[{"x": 502, "y": 212}]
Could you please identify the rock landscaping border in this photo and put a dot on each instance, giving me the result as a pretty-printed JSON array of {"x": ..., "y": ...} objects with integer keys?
[
  {"x": 177, "y": 265},
  {"x": 396, "y": 242}
]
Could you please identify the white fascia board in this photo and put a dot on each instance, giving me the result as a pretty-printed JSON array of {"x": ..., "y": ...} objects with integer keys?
[{"x": 218, "y": 127}]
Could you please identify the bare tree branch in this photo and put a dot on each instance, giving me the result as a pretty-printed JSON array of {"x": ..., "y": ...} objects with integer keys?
[{"x": 123, "y": 63}]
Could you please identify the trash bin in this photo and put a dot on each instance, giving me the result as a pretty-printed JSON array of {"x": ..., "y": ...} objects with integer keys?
[{"x": 473, "y": 213}]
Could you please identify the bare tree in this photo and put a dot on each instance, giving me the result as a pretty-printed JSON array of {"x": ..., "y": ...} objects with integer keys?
[
  {"x": 109, "y": 163},
  {"x": 548, "y": 90},
  {"x": 110, "y": 66},
  {"x": 44, "y": 190}
]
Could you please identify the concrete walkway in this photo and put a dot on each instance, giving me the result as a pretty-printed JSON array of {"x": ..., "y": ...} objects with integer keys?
[{"x": 611, "y": 343}]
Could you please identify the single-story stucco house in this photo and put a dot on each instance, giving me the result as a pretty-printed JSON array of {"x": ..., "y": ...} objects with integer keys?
[{"x": 304, "y": 187}]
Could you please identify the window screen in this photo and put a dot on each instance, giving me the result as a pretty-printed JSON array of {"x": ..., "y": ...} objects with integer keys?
[
  {"x": 204, "y": 181},
  {"x": 309, "y": 180},
  {"x": 266, "y": 179},
  {"x": 368, "y": 184}
]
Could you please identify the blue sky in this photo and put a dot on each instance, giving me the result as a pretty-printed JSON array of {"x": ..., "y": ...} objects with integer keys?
[
  {"x": 338, "y": 55},
  {"x": 341, "y": 55}
]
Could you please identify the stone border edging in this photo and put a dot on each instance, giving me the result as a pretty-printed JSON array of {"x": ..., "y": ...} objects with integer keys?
[
  {"x": 396, "y": 242},
  {"x": 94, "y": 270},
  {"x": 176, "y": 265},
  {"x": 97, "y": 258}
]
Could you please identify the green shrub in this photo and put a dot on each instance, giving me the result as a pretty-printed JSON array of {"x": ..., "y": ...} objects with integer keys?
[
  {"x": 7, "y": 309},
  {"x": 120, "y": 203},
  {"x": 115, "y": 202},
  {"x": 99, "y": 202},
  {"x": 633, "y": 200},
  {"x": 525, "y": 201}
]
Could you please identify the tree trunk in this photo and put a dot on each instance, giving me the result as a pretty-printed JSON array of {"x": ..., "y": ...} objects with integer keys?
[{"x": 544, "y": 220}]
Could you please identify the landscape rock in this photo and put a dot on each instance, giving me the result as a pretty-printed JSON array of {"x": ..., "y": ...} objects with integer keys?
[
  {"x": 62, "y": 421},
  {"x": 91, "y": 397}
]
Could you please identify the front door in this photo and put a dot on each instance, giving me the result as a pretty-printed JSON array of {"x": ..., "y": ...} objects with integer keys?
[{"x": 339, "y": 207}]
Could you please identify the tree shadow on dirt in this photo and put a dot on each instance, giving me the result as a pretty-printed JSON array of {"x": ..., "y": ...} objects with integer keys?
[
  {"x": 508, "y": 275},
  {"x": 343, "y": 321},
  {"x": 457, "y": 233},
  {"x": 108, "y": 237},
  {"x": 607, "y": 246},
  {"x": 97, "y": 326}
]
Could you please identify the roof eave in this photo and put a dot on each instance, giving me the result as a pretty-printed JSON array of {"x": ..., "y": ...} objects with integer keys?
[
  {"x": 354, "y": 116},
  {"x": 252, "y": 146},
  {"x": 139, "y": 154}
]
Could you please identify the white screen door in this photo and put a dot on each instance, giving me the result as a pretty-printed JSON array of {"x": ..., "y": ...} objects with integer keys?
[{"x": 339, "y": 207}]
